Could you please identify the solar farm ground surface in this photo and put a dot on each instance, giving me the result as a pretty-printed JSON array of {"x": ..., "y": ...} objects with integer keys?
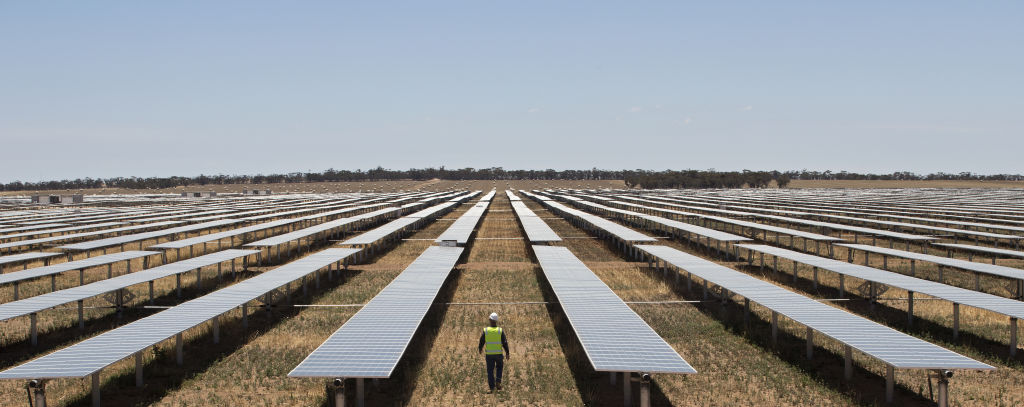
[{"x": 736, "y": 365}]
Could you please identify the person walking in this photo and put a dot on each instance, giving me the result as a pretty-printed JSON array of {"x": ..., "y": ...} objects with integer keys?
[{"x": 492, "y": 341}]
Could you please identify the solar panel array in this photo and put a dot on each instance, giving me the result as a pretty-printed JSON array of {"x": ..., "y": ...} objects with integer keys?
[
  {"x": 60, "y": 230},
  {"x": 49, "y": 300},
  {"x": 371, "y": 343},
  {"x": 396, "y": 225},
  {"x": 614, "y": 337},
  {"x": 23, "y": 257},
  {"x": 990, "y": 269},
  {"x": 53, "y": 269},
  {"x": 212, "y": 237},
  {"x": 83, "y": 235},
  {"x": 91, "y": 355},
  {"x": 537, "y": 231},
  {"x": 685, "y": 227},
  {"x": 957, "y": 295},
  {"x": 619, "y": 231},
  {"x": 747, "y": 224},
  {"x": 320, "y": 228},
  {"x": 883, "y": 343},
  {"x": 462, "y": 229},
  {"x": 812, "y": 223},
  {"x": 982, "y": 249},
  {"x": 119, "y": 240}
]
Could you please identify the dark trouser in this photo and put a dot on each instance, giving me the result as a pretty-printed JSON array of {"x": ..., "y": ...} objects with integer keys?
[{"x": 494, "y": 362}]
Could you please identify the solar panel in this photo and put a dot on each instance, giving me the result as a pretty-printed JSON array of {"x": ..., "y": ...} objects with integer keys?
[
  {"x": 957, "y": 295},
  {"x": 913, "y": 226},
  {"x": 119, "y": 240},
  {"x": 77, "y": 236},
  {"x": 462, "y": 198},
  {"x": 91, "y": 355},
  {"x": 18, "y": 276},
  {"x": 396, "y": 225},
  {"x": 883, "y": 343},
  {"x": 742, "y": 223},
  {"x": 462, "y": 229},
  {"x": 211, "y": 237},
  {"x": 991, "y": 269},
  {"x": 40, "y": 229},
  {"x": 622, "y": 232},
  {"x": 381, "y": 232},
  {"x": 323, "y": 227},
  {"x": 982, "y": 249},
  {"x": 813, "y": 223},
  {"x": 686, "y": 227},
  {"x": 20, "y": 257},
  {"x": 49, "y": 300},
  {"x": 308, "y": 209},
  {"x": 536, "y": 230},
  {"x": 614, "y": 337},
  {"x": 371, "y": 343},
  {"x": 431, "y": 210}
]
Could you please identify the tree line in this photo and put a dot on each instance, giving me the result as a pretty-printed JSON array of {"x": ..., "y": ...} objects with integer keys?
[{"x": 633, "y": 178}]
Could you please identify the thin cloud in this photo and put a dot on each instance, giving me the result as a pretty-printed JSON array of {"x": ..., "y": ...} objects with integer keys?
[
  {"x": 636, "y": 109},
  {"x": 533, "y": 110},
  {"x": 747, "y": 108}
]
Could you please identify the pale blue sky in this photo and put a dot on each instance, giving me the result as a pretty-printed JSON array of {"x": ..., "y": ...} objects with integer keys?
[{"x": 106, "y": 89}]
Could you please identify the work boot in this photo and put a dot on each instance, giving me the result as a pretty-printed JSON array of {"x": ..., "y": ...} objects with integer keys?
[{"x": 499, "y": 386}]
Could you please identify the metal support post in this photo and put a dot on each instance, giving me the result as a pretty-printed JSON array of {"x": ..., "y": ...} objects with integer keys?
[
  {"x": 890, "y": 383},
  {"x": 359, "y": 392},
  {"x": 138, "y": 369},
  {"x": 956, "y": 321},
  {"x": 627, "y": 390},
  {"x": 645, "y": 390},
  {"x": 216, "y": 329},
  {"x": 848, "y": 362},
  {"x": 910, "y": 308},
  {"x": 96, "y": 389},
  {"x": 775, "y": 327},
  {"x": 179, "y": 349},
  {"x": 339, "y": 392},
  {"x": 810, "y": 343},
  {"x": 33, "y": 329}
]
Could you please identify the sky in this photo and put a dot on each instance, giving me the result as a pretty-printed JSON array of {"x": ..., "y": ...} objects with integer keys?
[{"x": 107, "y": 89}]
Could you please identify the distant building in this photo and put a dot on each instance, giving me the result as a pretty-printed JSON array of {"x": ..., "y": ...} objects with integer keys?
[
  {"x": 58, "y": 199},
  {"x": 198, "y": 194},
  {"x": 256, "y": 192}
]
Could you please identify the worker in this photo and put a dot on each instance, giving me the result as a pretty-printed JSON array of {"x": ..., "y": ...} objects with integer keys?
[{"x": 492, "y": 341}]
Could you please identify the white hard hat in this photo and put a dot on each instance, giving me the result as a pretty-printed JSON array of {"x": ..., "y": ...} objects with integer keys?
[{"x": 494, "y": 316}]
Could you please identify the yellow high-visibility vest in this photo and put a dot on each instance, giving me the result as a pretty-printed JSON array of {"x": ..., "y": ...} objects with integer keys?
[{"x": 492, "y": 340}]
